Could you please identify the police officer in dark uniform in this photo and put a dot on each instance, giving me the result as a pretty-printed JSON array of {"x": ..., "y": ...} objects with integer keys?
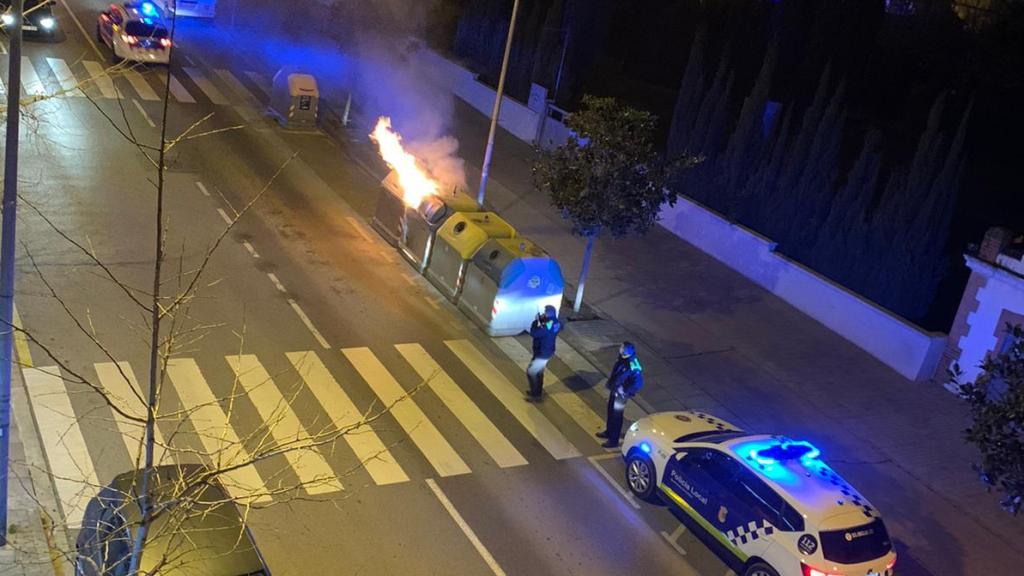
[
  {"x": 544, "y": 330},
  {"x": 624, "y": 382}
]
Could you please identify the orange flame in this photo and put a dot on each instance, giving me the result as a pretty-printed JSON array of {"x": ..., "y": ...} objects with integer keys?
[{"x": 416, "y": 183}]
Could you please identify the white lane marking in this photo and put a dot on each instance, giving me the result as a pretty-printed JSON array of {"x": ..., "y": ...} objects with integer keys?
[
  {"x": 364, "y": 442},
  {"x": 221, "y": 443},
  {"x": 257, "y": 79},
  {"x": 359, "y": 228},
  {"x": 476, "y": 423},
  {"x": 204, "y": 84},
  {"x": 66, "y": 78},
  {"x": 224, "y": 216},
  {"x": 30, "y": 80},
  {"x": 512, "y": 397},
  {"x": 309, "y": 324},
  {"x": 466, "y": 529},
  {"x": 424, "y": 434},
  {"x": 98, "y": 76},
  {"x": 569, "y": 401},
  {"x": 70, "y": 463},
  {"x": 277, "y": 283},
  {"x": 142, "y": 87},
  {"x": 123, "y": 389},
  {"x": 625, "y": 493},
  {"x": 249, "y": 247},
  {"x": 577, "y": 363},
  {"x": 81, "y": 29},
  {"x": 143, "y": 112},
  {"x": 673, "y": 538},
  {"x": 236, "y": 86},
  {"x": 315, "y": 474},
  {"x": 202, "y": 189},
  {"x": 177, "y": 89}
]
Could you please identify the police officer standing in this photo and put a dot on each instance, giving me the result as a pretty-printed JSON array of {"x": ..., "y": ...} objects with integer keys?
[
  {"x": 624, "y": 382},
  {"x": 544, "y": 330}
]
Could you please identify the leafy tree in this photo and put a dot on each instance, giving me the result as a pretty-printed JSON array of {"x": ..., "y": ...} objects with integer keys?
[
  {"x": 608, "y": 176},
  {"x": 996, "y": 400}
]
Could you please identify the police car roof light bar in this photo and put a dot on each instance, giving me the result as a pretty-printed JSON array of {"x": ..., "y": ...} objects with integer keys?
[{"x": 785, "y": 450}]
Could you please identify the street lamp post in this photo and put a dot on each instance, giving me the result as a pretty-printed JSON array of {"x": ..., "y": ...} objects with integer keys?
[
  {"x": 10, "y": 205},
  {"x": 489, "y": 152}
]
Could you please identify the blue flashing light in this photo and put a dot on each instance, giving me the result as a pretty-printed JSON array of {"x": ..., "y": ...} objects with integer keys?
[
  {"x": 645, "y": 447},
  {"x": 785, "y": 450},
  {"x": 148, "y": 9}
]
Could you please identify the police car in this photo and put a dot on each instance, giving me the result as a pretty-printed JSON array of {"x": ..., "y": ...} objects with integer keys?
[
  {"x": 134, "y": 31},
  {"x": 769, "y": 501}
]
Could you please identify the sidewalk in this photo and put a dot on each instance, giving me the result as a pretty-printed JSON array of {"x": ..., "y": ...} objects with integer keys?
[
  {"x": 711, "y": 339},
  {"x": 31, "y": 546}
]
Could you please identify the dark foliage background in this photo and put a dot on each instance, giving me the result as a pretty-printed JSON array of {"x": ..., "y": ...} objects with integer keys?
[{"x": 872, "y": 139}]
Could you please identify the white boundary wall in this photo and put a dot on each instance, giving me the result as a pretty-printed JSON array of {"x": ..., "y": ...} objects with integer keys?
[
  {"x": 903, "y": 346},
  {"x": 514, "y": 117}
]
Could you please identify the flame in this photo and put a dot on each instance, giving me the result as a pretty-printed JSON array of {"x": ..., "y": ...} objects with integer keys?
[{"x": 416, "y": 183}]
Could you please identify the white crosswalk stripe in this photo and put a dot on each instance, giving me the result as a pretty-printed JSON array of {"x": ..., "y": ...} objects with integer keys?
[
  {"x": 421, "y": 430},
  {"x": 98, "y": 77},
  {"x": 70, "y": 463},
  {"x": 142, "y": 88},
  {"x": 204, "y": 84},
  {"x": 74, "y": 464},
  {"x": 569, "y": 401},
  {"x": 30, "y": 81},
  {"x": 485, "y": 432},
  {"x": 315, "y": 474},
  {"x": 67, "y": 80},
  {"x": 215, "y": 431},
  {"x": 581, "y": 365},
  {"x": 123, "y": 390},
  {"x": 512, "y": 397},
  {"x": 236, "y": 86},
  {"x": 365, "y": 443}
]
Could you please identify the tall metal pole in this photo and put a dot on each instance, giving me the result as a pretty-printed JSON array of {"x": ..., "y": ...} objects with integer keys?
[
  {"x": 497, "y": 108},
  {"x": 10, "y": 205}
]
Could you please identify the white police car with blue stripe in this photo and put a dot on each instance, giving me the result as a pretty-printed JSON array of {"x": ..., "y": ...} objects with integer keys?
[{"x": 769, "y": 502}]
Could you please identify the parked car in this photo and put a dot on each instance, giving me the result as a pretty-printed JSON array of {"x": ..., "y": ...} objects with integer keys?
[
  {"x": 203, "y": 533},
  {"x": 771, "y": 504}
]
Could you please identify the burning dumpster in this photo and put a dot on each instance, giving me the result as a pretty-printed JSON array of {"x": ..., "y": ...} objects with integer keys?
[
  {"x": 508, "y": 281},
  {"x": 458, "y": 240},
  {"x": 412, "y": 229}
]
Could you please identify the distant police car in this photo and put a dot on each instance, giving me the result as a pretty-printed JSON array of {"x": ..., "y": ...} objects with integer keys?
[
  {"x": 134, "y": 31},
  {"x": 769, "y": 501}
]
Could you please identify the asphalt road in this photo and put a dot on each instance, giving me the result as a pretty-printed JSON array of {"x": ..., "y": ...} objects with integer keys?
[{"x": 301, "y": 275}]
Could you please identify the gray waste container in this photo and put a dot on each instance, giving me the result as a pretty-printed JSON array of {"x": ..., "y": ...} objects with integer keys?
[
  {"x": 294, "y": 99},
  {"x": 509, "y": 281},
  {"x": 457, "y": 241}
]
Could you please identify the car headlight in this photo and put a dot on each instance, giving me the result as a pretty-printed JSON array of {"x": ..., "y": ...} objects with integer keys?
[
  {"x": 7, "y": 19},
  {"x": 47, "y": 22}
]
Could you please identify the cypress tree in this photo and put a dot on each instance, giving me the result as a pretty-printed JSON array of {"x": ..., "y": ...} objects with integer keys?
[{"x": 691, "y": 93}]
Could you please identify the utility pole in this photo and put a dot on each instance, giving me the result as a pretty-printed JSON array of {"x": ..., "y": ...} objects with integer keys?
[
  {"x": 497, "y": 108},
  {"x": 10, "y": 205}
]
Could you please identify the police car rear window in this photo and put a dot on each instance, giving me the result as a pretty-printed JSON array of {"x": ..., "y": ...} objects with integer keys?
[
  {"x": 710, "y": 436},
  {"x": 143, "y": 30},
  {"x": 854, "y": 545}
]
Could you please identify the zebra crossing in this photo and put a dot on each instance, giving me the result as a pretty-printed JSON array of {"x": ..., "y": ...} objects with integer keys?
[
  {"x": 465, "y": 411},
  {"x": 59, "y": 78}
]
